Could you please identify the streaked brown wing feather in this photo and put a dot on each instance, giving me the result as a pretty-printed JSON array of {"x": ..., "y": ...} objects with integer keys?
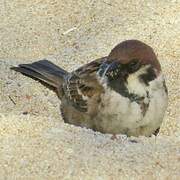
[{"x": 82, "y": 84}]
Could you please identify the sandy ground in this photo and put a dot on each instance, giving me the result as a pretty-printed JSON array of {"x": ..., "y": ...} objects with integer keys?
[{"x": 34, "y": 141}]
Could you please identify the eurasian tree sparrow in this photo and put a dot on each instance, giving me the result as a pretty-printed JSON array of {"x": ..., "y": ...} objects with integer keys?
[{"x": 122, "y": 93}]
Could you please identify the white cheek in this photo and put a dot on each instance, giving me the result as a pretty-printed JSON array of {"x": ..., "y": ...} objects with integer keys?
[{"x": 134, "y": 85}]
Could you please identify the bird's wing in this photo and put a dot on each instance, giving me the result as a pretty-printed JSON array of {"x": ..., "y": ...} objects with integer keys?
[{"x": 82, "y": 85}]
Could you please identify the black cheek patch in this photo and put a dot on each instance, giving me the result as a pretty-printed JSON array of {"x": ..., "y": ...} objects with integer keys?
[{"x": 148, "y": 76}]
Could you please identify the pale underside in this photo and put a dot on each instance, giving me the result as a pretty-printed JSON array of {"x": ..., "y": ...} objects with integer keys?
[
  {"x": 120, "y": 115},
  {"x": 116, "y": 114}
]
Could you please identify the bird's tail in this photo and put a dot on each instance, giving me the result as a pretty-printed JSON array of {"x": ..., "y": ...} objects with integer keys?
[{"x": 43, "y": 70}]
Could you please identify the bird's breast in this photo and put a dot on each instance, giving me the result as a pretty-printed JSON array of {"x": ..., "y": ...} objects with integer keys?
[{"x": 119, "y": 114}]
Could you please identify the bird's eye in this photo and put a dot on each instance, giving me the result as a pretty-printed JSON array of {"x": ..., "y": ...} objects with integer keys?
[
  {"x": 134, "y": 62},
  {"x": 133, "y": 65}
]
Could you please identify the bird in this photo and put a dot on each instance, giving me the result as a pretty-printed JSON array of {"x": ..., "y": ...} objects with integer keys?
[{"x": 121, "y": 93}]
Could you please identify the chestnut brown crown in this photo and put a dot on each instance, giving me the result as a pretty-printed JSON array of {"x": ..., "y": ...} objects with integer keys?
[{"x": 129, "y": 50}]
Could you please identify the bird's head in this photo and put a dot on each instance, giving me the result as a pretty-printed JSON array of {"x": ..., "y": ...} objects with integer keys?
[{"x": 131, "y": 57}]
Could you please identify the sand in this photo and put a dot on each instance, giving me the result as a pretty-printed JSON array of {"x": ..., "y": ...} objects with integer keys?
[{"x": 34, "y": 141}]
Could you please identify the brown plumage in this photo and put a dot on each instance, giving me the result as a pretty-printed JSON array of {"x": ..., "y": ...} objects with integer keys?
[{"x": 106, "y": 94}]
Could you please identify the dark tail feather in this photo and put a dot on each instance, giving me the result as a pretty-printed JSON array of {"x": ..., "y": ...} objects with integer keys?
[{"x": 43, "y": 70}]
